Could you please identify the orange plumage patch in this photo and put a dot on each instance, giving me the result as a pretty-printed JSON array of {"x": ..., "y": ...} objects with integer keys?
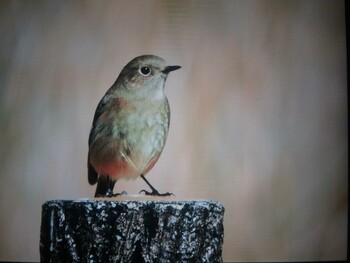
[{"x": 114, "y": 169}]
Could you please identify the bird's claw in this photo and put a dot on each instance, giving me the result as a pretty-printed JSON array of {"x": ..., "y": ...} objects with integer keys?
[
  {"x": 110, "y": 194},
  {"x": 156, "y": 193}
]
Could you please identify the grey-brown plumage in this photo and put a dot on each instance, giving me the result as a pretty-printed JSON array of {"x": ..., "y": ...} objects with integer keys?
[{"x": 130, "y": 125}]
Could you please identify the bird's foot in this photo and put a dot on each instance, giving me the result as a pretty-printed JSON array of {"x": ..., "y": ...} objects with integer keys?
[
  {"x": 156, "y": 193},
  {"x": 110, "y": 194}
]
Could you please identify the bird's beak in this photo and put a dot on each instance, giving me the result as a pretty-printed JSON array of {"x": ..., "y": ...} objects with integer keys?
[{"x": 170, "y": 68}]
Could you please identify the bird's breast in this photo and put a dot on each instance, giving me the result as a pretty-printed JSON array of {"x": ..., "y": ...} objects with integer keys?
[
  {"x": 131, "y": 139},
  {"x": 146, "y": 130}
]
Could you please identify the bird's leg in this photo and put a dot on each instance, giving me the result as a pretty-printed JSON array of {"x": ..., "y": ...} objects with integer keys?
[{"x": 154, "y": 191}]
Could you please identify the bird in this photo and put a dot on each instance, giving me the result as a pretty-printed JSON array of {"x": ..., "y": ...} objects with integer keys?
[{"x": 130, "y": 126}]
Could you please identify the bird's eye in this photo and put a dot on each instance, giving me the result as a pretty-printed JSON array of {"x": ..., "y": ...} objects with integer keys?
[{"x": 145, "y": 71}]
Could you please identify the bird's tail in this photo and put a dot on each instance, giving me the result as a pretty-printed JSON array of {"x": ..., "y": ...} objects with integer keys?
[
  {"x": 104, "y": 186},
  {"x": 92, "y": 174}
]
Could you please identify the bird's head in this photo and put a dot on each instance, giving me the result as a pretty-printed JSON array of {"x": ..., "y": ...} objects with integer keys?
[{"x": 144, "y": 76}]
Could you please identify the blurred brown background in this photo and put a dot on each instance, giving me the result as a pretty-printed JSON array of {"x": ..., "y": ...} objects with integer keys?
[{"x": 259, "y": 114}]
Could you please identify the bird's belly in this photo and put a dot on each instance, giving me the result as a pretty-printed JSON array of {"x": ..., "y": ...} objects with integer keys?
[
  {"x": 133, "y": 146},
  {"x": 115, "y": 169},
  {"x": 147, "y": 143}
]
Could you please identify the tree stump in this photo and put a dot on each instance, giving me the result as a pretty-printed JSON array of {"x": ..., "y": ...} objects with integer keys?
[{"x": 131, "y": 231}]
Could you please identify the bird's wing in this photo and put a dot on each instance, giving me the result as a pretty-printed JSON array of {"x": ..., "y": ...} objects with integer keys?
[
  {"x": 92, "y": 174},
  {"x": 99, "y": 111}
]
